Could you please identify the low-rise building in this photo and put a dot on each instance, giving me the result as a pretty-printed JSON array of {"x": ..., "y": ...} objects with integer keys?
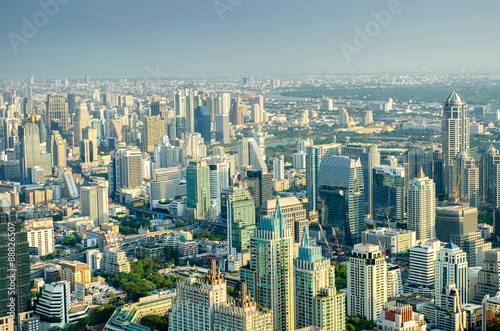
[
  {"x": 400, "y": 318},
  {"x": 394, "y": 241},
  {"x": 75, "y": 272}
]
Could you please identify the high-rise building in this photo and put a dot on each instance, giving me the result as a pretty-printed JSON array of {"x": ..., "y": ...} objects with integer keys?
[
  {"x": 313, "y": 162},
  {"x": 455, "y": 220},
  {"x": 327, "y": 104},
  {"x": 313, "y": 277},
  {"x": 422, "y": 263},
  {"x": 249, "y": 154},
  {"x": 370, "y": 157},
  {"x": 81, "y": 120},
  {"x": 341, "y": 189},
  {"x": 344, "y": 119},
  {"x": 154, "y": 128},
  {"x": 15, "y": 285},
  {"x": 57, "y": 115},
  {"x": 270, "y": 273},
  {"x": 455, "y": 132},
  {"x": 236, "y": 114},
  {"x": 259, "y": 116},
  {"x": 465, "y": 179},
  {"x": 451, "y": 268},
  {"x": 55, "y": 301},
  {"x": 294, "y": 212},
  {"x": 219, "y": 181},
  {"x": 75, "y": 272},
  {"x": 90, "y": 145},
  {"x": 260, "y": 186},
  {"x": 488, "y": 280},
  {"x": 202, "y": 123},
  {"x": 421, "y": 207},
  {"x": 368, "y": 119},
  {"x": 415, "y": 159},
  {"x": 366, "y": 282},
  {"x": 490, "y": 311},
  {"x": 198, "y": 188},
  {"x": 222, "y": 128},
  {"x": 473, "y": 245},
  {"x": 489, "y": 178},
  {"x": 30, "y": 151},
  {"x": 127, "y": 169},
  {"x": 240, "y": 221},
  {"x": 40, "y": 235},
  {"x": 94, "y": 201},
  {"x": 447, "y": 314},
  {"x": 56, "y": 146},
  {"x": 438, "y": 171},
  {"x": 389, "y": 192},
  {"x": 279, "y": 168}
]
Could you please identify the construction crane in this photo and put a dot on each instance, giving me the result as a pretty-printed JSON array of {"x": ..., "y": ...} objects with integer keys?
[
  {"x": 326, "y": 241},
  {"x": 388, "y": 220},
  {"x": 384, "y": 251},
  {"x": 455, "y": 190},
  {"x": 339, "y": 247}
]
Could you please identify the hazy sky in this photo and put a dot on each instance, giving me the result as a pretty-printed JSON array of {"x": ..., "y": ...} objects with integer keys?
[{"x": 124, "y": 37}]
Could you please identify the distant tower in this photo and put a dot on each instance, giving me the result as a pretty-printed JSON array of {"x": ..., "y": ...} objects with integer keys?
[
  {"x": 81, "y": 120},
  {"x": 489, "y": 180},
  {"x": 279, "y": 168},
  {"x": 198, "y": 188},
  {"x": 421, "y": 207},
  {"x": 455, "y": 132},
  {"x": 57, "y": 114},
  {"x": 30, "y": 151},
  {"x": 202, "y": 123},
  {"x": 237, "y": 115}
]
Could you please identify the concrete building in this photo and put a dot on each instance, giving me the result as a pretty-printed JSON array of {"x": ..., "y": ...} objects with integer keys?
[
  {"x": 422, "y": 267},
  {"x": 198, "y": 188},
  {"x": 473, "y": 245},
  {"x": 40, "y": 236},
  {"x": 366, "y": 282},
  {"x": 95, "y": 204},
  {"x": 114, "y": 260},
  {"x": 488, "y": 278},
  {"x": 421, "y": 207},
  {"x": 451, "y": 268},
  {"x": 393, "y": 241},
  {"x": 75, "y": 272},
  {"x": 491, "y": 309},
  {"x": 455, "y": 220},
  {"x": 389, "y": 192},
  {"x": 400, "y": 318},
  {"x": 294, "y": 212}
]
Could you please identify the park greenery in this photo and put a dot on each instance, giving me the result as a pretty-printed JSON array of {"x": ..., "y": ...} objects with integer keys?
[
  {"x": 155, "y": 322},
  {"x": 214, "y": 235},
  {"x": 131, "y": 225},
  {"x": 359, "y": 324}
]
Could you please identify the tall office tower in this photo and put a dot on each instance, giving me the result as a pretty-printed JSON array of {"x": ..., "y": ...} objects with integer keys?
[
  {"x": 202, "y": 123},
  {"x": 180, "y": 126},
  {"x": 422, "y": 261},
  {"x": 368, "y": 119},
  {"x": 438, "y": 171},
  {"x": 154, "y": 128},
  {"x": 98, "y": 126},
  {"x": 57, "y": 115},
  {"x": 488, "y": 280},
  {"x": 451, "y": 268},
  {"x": 198, "y": 188},
  {"x": 190, "y": 106},
  {"x": 40, "y": 235},
  {"x": 270, "y": 273},
  {"x": 421, "y": 207},
  {"x": 341, "y": 190},
  {"x": 455, "y": 220},
  {"x": 219, "y": 181},
  {"x": 366, "y": 282},
  {"x": 226, "y": 103},
  {"x": 90, "y": 134},
  {"x": 389, "y": 192},
  {"x": 237, "y": 112},
  {"x": 166, "y": 184},
  {"x": 15, "y": 285},
  {"x": 94, "y": 201},
  {"x": 56, "y": 146},
  {"x": 473, "y": 245},
  {"x": 71, "y": 103},
  {"x": 304, "y": 118},
  {"x": 180, "y": 103},
  {"x": 370, "y": 157},
  {"x": 455, "y": 132},
  {"x": 222, "y": 128},
  {"x": 344, "y": 120},
  {"x": 294, "y": 212},
  {"x": 256, "y": 113},
  {"x": 127, "y": 168},
  {"x": 158, "y": 108},
  {"x": 415, "y": 159},
  {"x": 465, "y": 179},
  {"x": 313, "y": 277},
  {"x": 249, "y": 154},
  {"x": 447, "y": 313},
  {"x": 327, "y": 104},
  {"x": 260, "y": 185},
  {"x": 489, "y": 178},
  {"x": 30, "y": 150},
  {"x": 279, "y": 168},
  {"x": 313, "y": 162},
  {"x": 166, "y": 155},
  {"x": 11, "y": 132},
  {"x": 81, "y": 120},
  {"x": 240, "y": 221}
]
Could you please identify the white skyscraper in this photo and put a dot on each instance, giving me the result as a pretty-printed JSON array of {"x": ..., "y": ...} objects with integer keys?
[
  {"x": 249, "y": 153},
  {"x": 219, "y": 180},
  {"x": 422, "y": 261},
  {"x": 279, "y": 168},
  {"x": 421, "y": 207},
  {"x": 455, "y": 133},
  {"x": 94, "y": 202},
  {"x": 451, "y": 268},
  {"x": 366, "y": 282}
]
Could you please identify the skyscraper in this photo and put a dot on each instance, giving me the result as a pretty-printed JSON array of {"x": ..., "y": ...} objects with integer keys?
[
  {"x": 366, "y": 282},
  {"x": 455, "y": 132},
  {"x": 341, "y": 189},
  {"x": 154, "y": 128},
  {"x": 202, "y": 123},
  {"x": 451, "y": 268},
  {"x": 249, "y": 153},
  {"x": 222, "y": 128},
  {"x": 465, "y": 179},
  {"x": 81, "y": 120},
  {"x": 57, "y": 115},
  {"x": 30, "y": 150},
  {"x": 313, "y": 277},
  {"x": 422, "y": 264},
  {"x": 219, "y": 181},
  {"x": 421, "y": 207},
  {"x": 389, "y": 192},
  {"x": 94, "y": 201},
  {"x": 279, "y": 168},
  {"x": 489, "y": 178},
  {"x": 270, "y": 273},
  {"x": 240, "y": 221},
  {"x": 126, "y": 169},
  {"x": 56, "y": 146},
  {"x": 15, "y": 285},
  {"x": 455, "y": 220},
  {"x": 260, "y": 186},
  {"x": 415, "y": 159},
  {"x": 488, "y": 280},
  {"x": 198, "y": 188},
  {"x": 293, "y": 210},
  {"x": 236, "y": 114}
]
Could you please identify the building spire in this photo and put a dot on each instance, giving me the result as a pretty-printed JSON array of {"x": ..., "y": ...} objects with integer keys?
[
  {"x": 305, "y": 238},
  {"x": 421, "y": 173}
]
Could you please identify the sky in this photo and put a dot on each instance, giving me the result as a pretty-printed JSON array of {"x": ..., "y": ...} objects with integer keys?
[{"x": 137, "y": 37}]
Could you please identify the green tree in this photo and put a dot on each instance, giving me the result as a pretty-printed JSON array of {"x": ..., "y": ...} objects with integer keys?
[{"x": 155, "y": 322}]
